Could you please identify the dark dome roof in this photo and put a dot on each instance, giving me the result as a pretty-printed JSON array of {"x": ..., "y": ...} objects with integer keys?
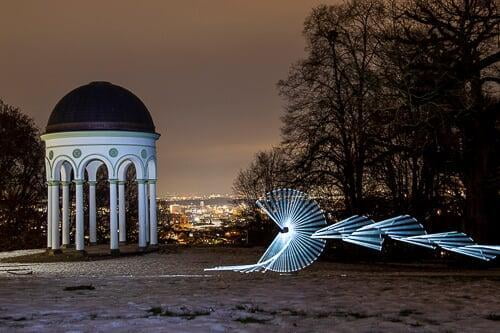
[{"x": 100, "y": 106}]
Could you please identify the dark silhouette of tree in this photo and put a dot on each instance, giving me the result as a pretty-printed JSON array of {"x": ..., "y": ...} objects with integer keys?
[
  {"x": 332, "y": 101},
  {"x": 458, "y": 78},
  {"x": 22, "y": 188},
  {"x": 267, "y": 172},
  {"x": 394, "y": 110}
]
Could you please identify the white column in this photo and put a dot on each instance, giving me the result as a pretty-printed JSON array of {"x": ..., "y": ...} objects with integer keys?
[
  {"x": 92, "y": 213},
  {"x": 56, "y": 244},
  {"x": 79, "y": 236},
  {"x": 142, "y": 212},
  {"x": 65, "y": 213},
  {"x": 146, "y": 205},
  {"x": 113, "y": 218},
  {"x": 49, "y": 217},
  {"x": 152, "y": 213},
  {"x": 121, "y": 212}
]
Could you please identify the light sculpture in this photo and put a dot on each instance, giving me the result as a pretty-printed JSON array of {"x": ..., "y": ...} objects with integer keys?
[
  {"x": 303, "y": 234},
  {"x": 297, "y": 217},
  {"x": 372, "y": 235},
  {"x": 483, "y": 252},
  {"x": 343, "y": 228},
  {"x": 360, "y": 230},
  {"x": 445, "y": 240},
  {"x": 456, "y": 242}
]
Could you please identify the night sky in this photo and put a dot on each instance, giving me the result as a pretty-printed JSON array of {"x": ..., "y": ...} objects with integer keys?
[{"x": 207, "y": 71}]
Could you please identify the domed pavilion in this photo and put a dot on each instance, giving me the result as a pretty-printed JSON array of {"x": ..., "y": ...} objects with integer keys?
[{"x": 99, "y": 124}]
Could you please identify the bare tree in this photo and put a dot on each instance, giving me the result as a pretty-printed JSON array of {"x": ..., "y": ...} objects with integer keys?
[
  {"x": 395, "y": 109},
  {"x": 267, "y": 172},
  {"x": 457, "y": 41},
  {"x": 329, "y": 125}
]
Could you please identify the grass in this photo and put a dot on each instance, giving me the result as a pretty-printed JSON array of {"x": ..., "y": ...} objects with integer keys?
[
  {"x": 253, "y": 309},
  {"x": 14, "y": 318},
  {"x": 394, "y": 320},
  {"x": 416, "y": 324},
  {"x": 293, "y": 312},
  {"x": 359, "y": 315},
  {"x": 156, "y": 310},
  {"x": 407, "y": 312},
  {"x": 251, "y": 320},
  {"x": 46, "y": 258},
  {"x": 493, "y": 316},
  {"x": 71, "y": 255},
  {"x": 353, "y": 314},
  {"x": 188, "y": 315},
  {"x": 320, "y": 315},
  {"x": 82, "y": 287}
]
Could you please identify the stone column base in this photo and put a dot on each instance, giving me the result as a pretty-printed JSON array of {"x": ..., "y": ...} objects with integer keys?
[
  {"x": 68, "y": 246},
  {"x": 123, "y": 242},
  {"x": 82, "y": 253},
  {"x": 115, "y": 252},
  {"x": 55, "y": 252},
  {"x": 93, "y": 243}
]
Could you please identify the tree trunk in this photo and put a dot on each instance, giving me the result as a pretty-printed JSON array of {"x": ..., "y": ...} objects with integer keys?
[{"x": 480, "y": 198}]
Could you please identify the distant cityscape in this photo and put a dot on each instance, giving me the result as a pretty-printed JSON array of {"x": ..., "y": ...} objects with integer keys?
[{"x": 207, "y": 219}]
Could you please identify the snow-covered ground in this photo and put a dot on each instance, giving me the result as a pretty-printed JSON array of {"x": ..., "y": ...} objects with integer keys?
[
  {"x": 171, "y": 293},
  {"x": 8, "y": 254}
]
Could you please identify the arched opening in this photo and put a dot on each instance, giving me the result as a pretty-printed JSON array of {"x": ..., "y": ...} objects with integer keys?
[
  {"x": 96, "y": 203},
  {"x": 96, "y": 176},
  {"x": 59, "y": 182},
  {"x": 129, "y": 171},
  {"x": 113, "y": 202},
  {"x": 56, "y": 171},
  {"x": 129, "y": 219},
  {"x": 67, "y": 214}
]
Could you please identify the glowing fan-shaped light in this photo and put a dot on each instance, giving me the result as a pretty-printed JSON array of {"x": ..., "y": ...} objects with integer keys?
[
  {"x": 483, "y": 252},
  {"x": 445, "y": 240},
  {"x": 372, "y": 235},
  {"x": 343, "y": 228},
  {"x": 456, "y": 242},
  {"x": 298, "y": 217}
]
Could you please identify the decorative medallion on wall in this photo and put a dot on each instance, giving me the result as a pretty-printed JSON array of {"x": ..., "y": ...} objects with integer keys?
[
  {"x": 51, "y": 155},
  {"x": 144, "y": 153},
  {"x": 77, "y": 153},
  {"x": 113, "y": 152}
]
